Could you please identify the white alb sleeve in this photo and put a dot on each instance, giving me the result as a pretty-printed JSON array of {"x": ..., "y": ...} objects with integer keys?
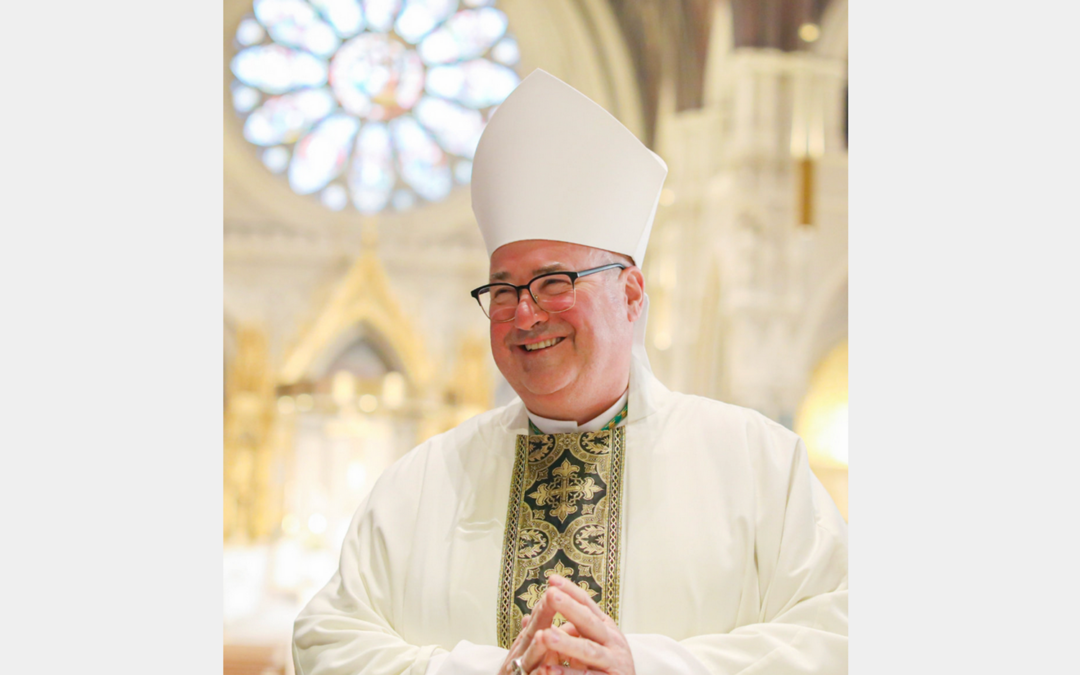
[{"x": 803, "y": 615}]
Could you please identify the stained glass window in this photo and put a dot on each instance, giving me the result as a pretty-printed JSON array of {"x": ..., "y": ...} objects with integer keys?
[{"x": 375, "y": 102}]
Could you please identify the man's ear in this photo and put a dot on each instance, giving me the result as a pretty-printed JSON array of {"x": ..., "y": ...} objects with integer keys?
[{"x": 635, "y": 293}]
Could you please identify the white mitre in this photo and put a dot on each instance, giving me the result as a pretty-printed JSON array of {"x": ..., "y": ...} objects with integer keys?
[{"x": 552, "y": 164}]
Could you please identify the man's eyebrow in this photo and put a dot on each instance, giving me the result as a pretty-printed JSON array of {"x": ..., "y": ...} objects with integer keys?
[{"x": 553, "y": 267}]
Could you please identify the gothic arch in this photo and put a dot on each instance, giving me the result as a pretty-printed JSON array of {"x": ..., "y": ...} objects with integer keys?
[{"x": 362, "y": 306}]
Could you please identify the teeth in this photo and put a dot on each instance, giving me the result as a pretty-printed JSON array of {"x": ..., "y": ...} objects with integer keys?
[{"x": 542, "y": 345}]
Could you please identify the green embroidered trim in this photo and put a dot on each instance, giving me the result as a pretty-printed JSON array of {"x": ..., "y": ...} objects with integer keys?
[
  {"x": 505, "y": 626},
  {"x": 563, "y": 517}
]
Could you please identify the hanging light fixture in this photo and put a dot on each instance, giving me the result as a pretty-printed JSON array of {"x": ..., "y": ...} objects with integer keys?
[{"x": 807, "y": 138}]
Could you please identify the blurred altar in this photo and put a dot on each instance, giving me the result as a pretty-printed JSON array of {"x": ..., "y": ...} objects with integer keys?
[{"x": 350, "y": 245}]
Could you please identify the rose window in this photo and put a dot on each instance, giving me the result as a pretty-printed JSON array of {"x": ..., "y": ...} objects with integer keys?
[{"x": 377, "y": 102}]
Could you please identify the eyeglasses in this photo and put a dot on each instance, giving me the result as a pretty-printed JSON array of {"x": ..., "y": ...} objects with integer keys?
[{"x": 553, "y": 292}]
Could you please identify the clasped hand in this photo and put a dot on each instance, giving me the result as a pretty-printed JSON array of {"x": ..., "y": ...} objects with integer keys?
[{"x": 589, "y": 640}]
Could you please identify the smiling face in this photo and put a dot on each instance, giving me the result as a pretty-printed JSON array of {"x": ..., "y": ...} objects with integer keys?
[{"x": 572, "y": 364}]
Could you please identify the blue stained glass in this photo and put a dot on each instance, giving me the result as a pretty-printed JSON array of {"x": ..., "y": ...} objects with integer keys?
[
  {"x": 320, "y": 156},
  {"x": 283, "y": 119},
  {"x": 420, "y": 16},
  {"x": 277, "y": 70},
  {"x": 380, "y": 14},
  {"x": 295, "y": 23},
  {"x": 371, "y": 177},
  {"x": 377, "y": 77},
  {"x": 506, "y": 51},
  {"x": 463, "y": 172},
  {"x": 344, "y": 15},
  {"x": 249, "y": 32},
  {"x": 276, "y": 159},
  {"x": 334, "y": 197},
  {"x": 445, "y": 81},
  {"x": 476, "y": 84},
  {"x": 353, "y": 112},
  {"x": 466, "y": 35},
  {"x": 410, "y": 80},
  {"x": 457, "y": 129},
  {"x": 245, "y": 98},
  {"x": 421, "y": 163},
  {"x": 440, "y": 47}
]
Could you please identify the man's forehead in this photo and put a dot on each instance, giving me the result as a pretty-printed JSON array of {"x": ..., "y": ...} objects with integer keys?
[
  {"x": 535, "y": 257},
  {"x": 504, "y": 274}
]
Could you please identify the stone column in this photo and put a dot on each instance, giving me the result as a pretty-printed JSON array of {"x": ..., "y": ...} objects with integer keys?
[{"x": 729, "y": 320}]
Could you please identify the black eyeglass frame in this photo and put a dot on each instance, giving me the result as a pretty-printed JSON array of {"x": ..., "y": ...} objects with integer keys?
[{"x": 574, "y": 276}]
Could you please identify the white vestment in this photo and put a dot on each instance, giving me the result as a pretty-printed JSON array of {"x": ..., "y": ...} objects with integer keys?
[{"x": 734, "y": 558}]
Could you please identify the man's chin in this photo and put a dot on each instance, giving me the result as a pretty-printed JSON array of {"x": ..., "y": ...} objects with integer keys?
[{"x": 542, "y": 387}]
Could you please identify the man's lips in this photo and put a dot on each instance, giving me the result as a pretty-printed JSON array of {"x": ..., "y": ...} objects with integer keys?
[{"x": 540, "y": 344}]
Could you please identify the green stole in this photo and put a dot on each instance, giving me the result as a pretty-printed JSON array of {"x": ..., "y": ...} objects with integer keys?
[{"x": 563, "y": 518}]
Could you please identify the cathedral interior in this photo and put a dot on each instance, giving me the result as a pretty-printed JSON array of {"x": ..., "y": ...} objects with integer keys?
[{"x": 350, "y": 246}]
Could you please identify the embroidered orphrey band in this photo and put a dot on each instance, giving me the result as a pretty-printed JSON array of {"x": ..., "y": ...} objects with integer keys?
[{"x": 563, "y": 518}]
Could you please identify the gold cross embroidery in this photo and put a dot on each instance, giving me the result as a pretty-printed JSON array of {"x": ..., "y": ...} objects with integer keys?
[{"x": 564, "y": 490}]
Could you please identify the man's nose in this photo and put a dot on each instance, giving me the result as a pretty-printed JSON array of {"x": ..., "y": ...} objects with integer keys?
[{"x": 528, "y": 312}]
